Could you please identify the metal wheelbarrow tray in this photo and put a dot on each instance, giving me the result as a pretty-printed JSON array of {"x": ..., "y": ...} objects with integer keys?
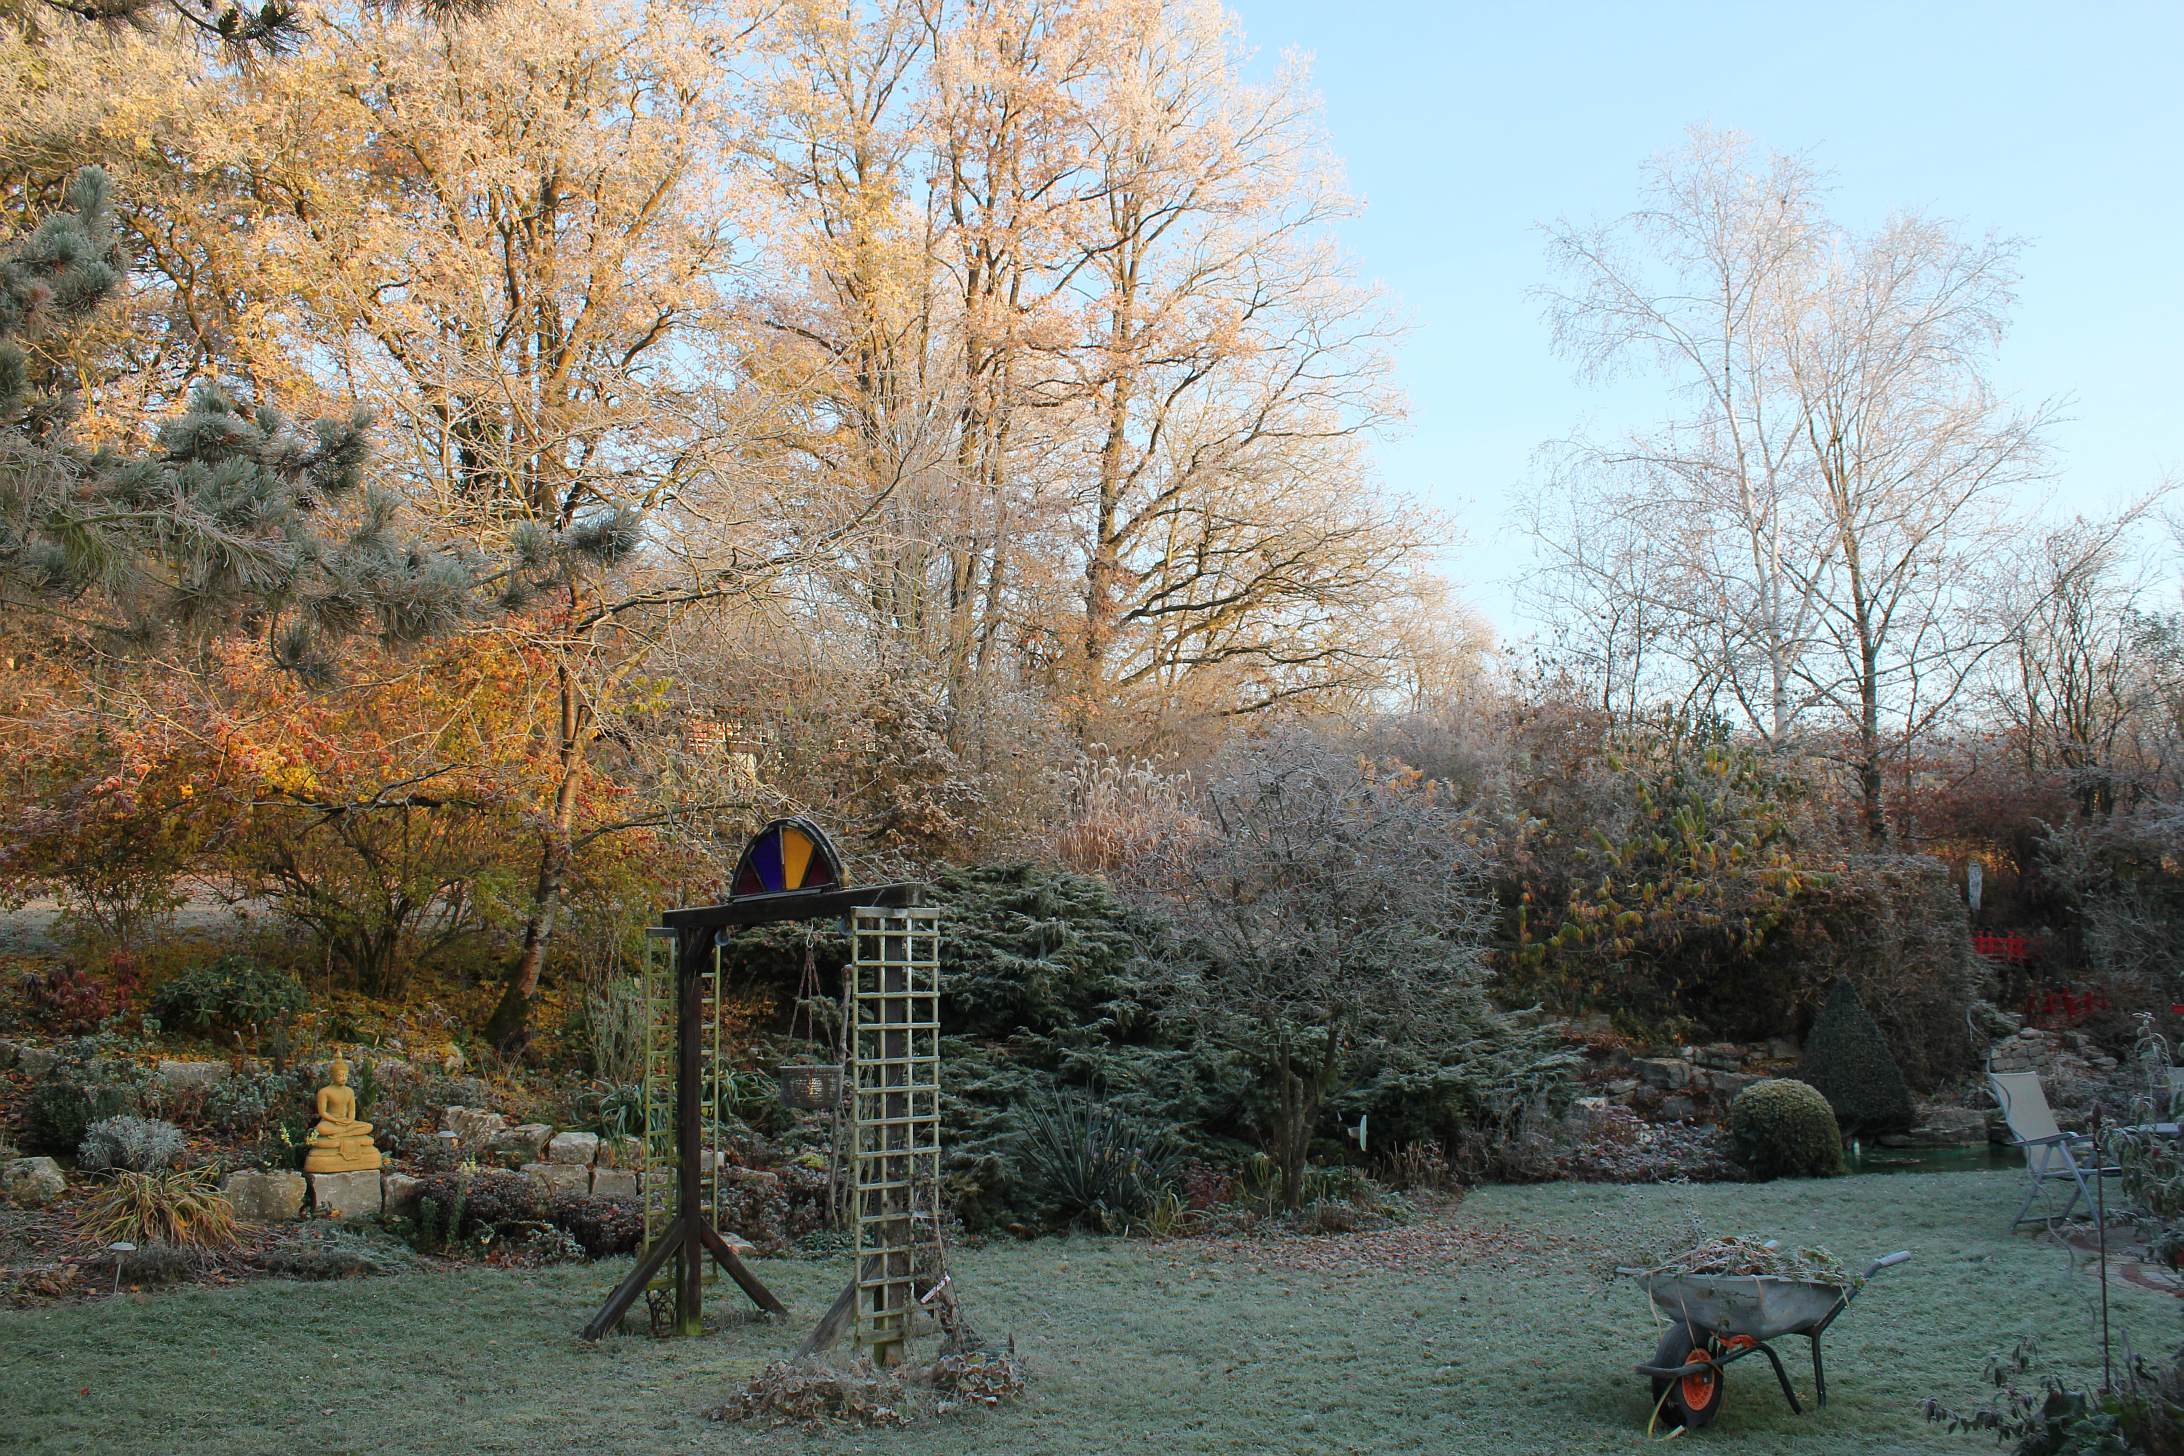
[{"x": 1715, "y": 1320}]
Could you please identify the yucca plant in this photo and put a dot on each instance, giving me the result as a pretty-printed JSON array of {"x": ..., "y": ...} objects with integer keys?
[
  {"x": 181, "y": 1208},
  {"x": 1096, "y": 1161}
]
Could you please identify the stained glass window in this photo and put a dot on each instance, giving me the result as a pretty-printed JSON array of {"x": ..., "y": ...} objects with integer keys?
[{"x": 787, "y": 856}]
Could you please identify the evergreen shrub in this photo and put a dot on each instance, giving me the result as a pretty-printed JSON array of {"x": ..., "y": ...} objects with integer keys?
[
  {"x": 231, "y": 994},
  {"x": 1783, "y": 1128},
  {"x": 1848, "y": 1060}
]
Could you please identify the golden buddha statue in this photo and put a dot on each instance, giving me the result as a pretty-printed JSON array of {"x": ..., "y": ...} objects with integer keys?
[{"x": 339, "y": 1144}]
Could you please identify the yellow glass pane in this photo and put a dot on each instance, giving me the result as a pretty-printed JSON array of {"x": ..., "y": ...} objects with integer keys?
[{"x": 795, "y": 857}]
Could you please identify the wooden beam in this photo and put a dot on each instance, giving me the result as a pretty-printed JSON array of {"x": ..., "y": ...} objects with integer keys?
[
  {"x": 794, "y": 905},
  {"x": 625, "y": 1294},
  {"x": 738, "y": 1270}
]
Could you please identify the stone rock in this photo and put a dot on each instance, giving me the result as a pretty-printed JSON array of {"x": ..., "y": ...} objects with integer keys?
[
  {"x": 513, "y": 1147},
  {"x": 265, "y": 1195},
  {"x": 614, "y": 1183},
  {"x": 620, "y": 1152},
  {"x": 738, "y": 1245},
  {"x": 346, "y": 1195},
  {"x": 179, "y": 1076},
  {"x": 474, "y": 1127},
  {"x": 1941, "y": 1127},
  {"x": 759, "y": 1176},
  {"x": 398, "y": 1192},
  {"x": 1728, "y": 1084},
  {"x": 1782, "y": 1049},
  {"x": 1722, "y": 1056},
  {"x": 579, "y": 1148},
  {"x": 557, "y": 1178},
  {"x": 32, "y": 1182},
  {"x": 1664, "y": 1072},
  {"x": 9, "y": 1052},
  {"x": 35, "y": 1062},
  {"x": 1678, "y": 1109}
]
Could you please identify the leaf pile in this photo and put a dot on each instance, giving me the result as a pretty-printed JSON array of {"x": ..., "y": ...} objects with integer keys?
[
  {"x": 813, "y": 1394},
  {"x": 1759, "y": 1258},
  {"x": 980, "y": 1377}
]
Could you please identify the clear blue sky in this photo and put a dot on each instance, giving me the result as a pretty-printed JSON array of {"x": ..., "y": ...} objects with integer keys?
[{"x": 1465, "y": 127}]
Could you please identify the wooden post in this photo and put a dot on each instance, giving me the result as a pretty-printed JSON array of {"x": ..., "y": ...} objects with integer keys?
[{"x": 690, "y": 946}]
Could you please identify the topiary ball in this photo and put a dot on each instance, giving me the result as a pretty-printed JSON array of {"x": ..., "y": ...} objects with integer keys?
[{"x": 1783, "y": 1128}]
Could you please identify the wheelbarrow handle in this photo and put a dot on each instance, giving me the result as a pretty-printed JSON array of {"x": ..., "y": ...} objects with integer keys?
[{"x": 1887, "y": 1261}]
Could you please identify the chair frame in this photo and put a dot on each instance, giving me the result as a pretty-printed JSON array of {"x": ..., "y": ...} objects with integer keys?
[{"x": 2050, "y": 1157}]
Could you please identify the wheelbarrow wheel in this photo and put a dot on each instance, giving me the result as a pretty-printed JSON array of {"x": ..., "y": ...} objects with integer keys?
[{"x": 1688, "y": 1400}]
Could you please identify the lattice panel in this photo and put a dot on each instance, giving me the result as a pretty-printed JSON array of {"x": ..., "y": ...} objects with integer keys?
[
  {"x": 894, "y": 1112},
  {"x": 657, "y": 1182}
]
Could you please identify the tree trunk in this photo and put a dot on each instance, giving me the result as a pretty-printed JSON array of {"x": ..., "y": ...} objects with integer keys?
[{"x": 509, "y": 1028}]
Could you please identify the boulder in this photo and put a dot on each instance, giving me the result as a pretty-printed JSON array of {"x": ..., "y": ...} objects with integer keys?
[
  {"x": 398, "y": 1192},
  {"x": 180, "y": 1076},
  {"x": 620, "y": 1152},
  {"x": 346, "y": 1195},
  {"x": 1946, "y": 1127},
  {"x": 32, "y": 1182},
  {"x": 1782, "y": 1049},
  {"x": 614, "y": 1183},
  {"x": 35, "y": 1061},
  {"x": 558, "y": 1178},
  {"x": 1678, "y": 1109},
  {"x": 513, "y": 1147},
  {"x": 1722, "y": 1056},
  {"x": 579, "y": 1148},
  {"x": 473, "y": 1127},
  {"x": 1666, "y": 1073},
  {"x": 265, "y": 1195},
  {"x": 1728, "y": 1084}
]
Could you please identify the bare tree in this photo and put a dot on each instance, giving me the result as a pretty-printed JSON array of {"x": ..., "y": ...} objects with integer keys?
[
  {"x": 1332, "y": 905},
  {"x": 1819, "y": 514}
]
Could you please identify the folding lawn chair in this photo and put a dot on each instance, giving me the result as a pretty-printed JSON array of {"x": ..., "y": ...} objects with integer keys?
[{"x": 2051, "y": 1155}]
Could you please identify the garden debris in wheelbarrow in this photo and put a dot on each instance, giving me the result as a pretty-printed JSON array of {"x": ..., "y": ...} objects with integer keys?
[
  {"x": 1759, "y": 1258},
  {"x": 1726, "y": 1298}
]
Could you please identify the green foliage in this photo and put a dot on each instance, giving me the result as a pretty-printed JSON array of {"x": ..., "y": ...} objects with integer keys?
[
  {"x": 237, "y": 514},
  {"x": 1783, "y": 1128},
  {"x": 1052, "y": 984},
  {"x": 232, "y": 994},
  {"x": 1847, "y": 1058},
  {"x": 1099, "y": 1165},
  {"x": 2040, "y": 1411},
  {"x": 1656, "y": 884},
  {"x": 90, "y": 1083},
  {"x": 130, "y": 1144}
]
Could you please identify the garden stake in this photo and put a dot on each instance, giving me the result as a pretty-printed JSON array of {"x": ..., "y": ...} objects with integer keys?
[{"x": 2100, "y": 1198}]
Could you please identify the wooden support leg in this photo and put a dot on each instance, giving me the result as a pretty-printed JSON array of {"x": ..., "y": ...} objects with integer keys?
[
  {"x": 738, "y": 1270},
  {"x": 625, "y": 1294}
]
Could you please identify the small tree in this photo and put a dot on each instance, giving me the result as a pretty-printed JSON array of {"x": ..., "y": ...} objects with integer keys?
[
  {"x": 1847, "y": 1058},
  {"x": 1331, "y": 908}
]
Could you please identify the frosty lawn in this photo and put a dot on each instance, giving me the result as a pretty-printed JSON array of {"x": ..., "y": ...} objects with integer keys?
[{"x": 1520, "y": 1346}]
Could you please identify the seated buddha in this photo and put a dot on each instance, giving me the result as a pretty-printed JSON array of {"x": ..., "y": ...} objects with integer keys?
[{"x": 339, "y": 1143}]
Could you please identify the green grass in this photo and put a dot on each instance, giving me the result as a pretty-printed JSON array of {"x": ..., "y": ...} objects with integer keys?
[{"x": 1129, "y": 1346}]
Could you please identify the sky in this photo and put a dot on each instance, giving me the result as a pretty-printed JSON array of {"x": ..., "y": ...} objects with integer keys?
[{"x": 1466, "y": 127}]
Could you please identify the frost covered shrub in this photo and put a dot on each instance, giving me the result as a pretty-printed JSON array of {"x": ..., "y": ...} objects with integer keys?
[
  {"x": 130, "y": 1145},
  {"x": 1782, "y": 1128}
]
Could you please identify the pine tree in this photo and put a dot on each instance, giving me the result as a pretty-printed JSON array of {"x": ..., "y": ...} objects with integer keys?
[
  {"x": 234, "y": 517},
  {"x": 1847, "y": 1058}
]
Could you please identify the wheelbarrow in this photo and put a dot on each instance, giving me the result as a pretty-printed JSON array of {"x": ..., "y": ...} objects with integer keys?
[{"x": 1715, "y": 1320}]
